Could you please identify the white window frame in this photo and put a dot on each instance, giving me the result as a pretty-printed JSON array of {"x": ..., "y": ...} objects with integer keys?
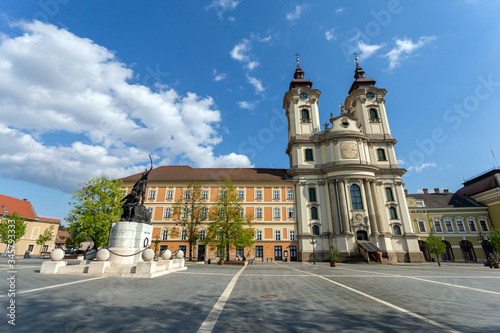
[
  {"x": 461, "y": 221},
  {"x": 485, "y": 223},
  {"x": 277, "y": 213},
  {"x": 292, "y": 235},
  {"x": 170, "y": 194},
  {"x": 276, "y": 194},
  {"x": 277, "y": 235},
  {"x": 437, "y": 225},
  {"x": 183, "y": 235},
  {"x": 205, "y": 194},
  {"x": 187, "y": 194},
  {"x": 258, "y": 235},
  {"x": 289, "y": 194},
  {"x": 469, "y": 220},
  {"x": 241, "y": 194},
  {"x": 152, "y": 194},
  {"x": 258, "y": 195},
  {"x": 421, "y": 223},
  {"x": 33, "y": 234},
  {"x": 150, "y": 210},
  {"x": 164, "y": 234},
  {"x": 168, "y": 213},
  {"x": 242, "y": 212},
  {"x": 450, "y": 224},
  {"x": 185, "y": 213},
  {"x": 202, "y": 234},
  {"x": 204, "y": 213},
  {"x": 290, "y": 213},
  {"x": 258, "y": 213}
]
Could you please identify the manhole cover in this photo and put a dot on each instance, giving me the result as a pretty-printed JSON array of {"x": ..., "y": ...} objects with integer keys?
[{"x": 269, "y": 296}]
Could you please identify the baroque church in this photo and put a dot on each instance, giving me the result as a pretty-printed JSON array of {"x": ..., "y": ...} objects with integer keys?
[
  {"x": 346, "y": 176},
  {"x": 343, "y": 186}
]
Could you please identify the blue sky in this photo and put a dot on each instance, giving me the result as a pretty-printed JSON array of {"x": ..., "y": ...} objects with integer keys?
[{"x": 92, "y": 87}]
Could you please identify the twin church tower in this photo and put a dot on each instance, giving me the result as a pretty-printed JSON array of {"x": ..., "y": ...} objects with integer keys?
[{"x": 347, "y": 180}]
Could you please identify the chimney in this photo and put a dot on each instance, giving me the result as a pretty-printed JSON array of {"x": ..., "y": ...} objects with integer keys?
[
  {"x": 436, "y": 190},
  {"x": 25, "y": 199},
  {"x": 425, "y": 191},
  {"x": 446, "y": 191},
  {"x": 406, "y": 192}
]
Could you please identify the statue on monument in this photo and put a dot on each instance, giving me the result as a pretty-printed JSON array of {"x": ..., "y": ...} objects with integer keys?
[{"x": 133, "y": 206}]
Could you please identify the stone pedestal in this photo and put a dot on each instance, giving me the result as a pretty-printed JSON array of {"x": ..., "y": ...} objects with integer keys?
[
  {"x": 52, "y": 267},
  {"x": 98, "y": 267},
  {"x": 127, "y": 238}
]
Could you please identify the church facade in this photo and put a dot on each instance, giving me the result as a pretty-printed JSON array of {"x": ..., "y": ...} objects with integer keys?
[{"x": 346, "y": 176}]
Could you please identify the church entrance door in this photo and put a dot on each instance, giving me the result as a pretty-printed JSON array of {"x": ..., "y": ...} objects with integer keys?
[{"x": 361, "y": 235}]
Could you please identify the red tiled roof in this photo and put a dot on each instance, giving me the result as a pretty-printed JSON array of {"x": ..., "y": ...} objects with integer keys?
[
  {"x": 61, "y": 236},
  {"x": 186, "y": 173},
  {"x": 9, "y": 205}
]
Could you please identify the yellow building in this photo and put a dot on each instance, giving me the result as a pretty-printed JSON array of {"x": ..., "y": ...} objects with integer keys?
[
  {"x": 456, "y": 218},
  {"x": 266, "y": 194},
  {"x": 35, "y": 226}
]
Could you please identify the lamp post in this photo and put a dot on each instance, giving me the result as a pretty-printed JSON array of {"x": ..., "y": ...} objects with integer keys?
[
  {"x": 481, "y": 238},
  {"x": 313, "y": 242}
]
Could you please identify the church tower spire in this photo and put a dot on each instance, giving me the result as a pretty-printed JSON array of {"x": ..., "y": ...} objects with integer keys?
[
  {"x": 298, "y": 78},
  {"x": 360, "y": 80}
]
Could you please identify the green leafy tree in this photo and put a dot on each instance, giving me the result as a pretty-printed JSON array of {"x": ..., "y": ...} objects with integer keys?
[
  {"x": 435, "y": 245},
  {"x": 229, "y": 227},
  {"x": 190, "y": 211},
  {"x": 12, "y": 232},
  {"x": 45, "y": 237},
  {"x": 96, "y": 205},
  {"x": 494, "y": 238}
]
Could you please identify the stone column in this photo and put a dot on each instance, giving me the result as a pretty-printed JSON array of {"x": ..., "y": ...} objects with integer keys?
[
  {"x": 381, "y": 225},
  {"x": 371, "y": 210},
  {"x": 334, "y": 207},
  {"x": 343, "y": 208}
]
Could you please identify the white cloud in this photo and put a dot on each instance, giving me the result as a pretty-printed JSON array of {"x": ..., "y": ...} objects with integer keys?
[
  {"x": 330, "y": 34},
  {"x": 256, "y": 83},
  {"x": 247, "y": 105},
  {"x": 296, "y": 14},
  {"x": 222, "y": 6},
  {"x": 368, "y": 50},
  {"x": 231, "y": 19},
  {"x": 104, "y": 124},
  {"x": 219, "y": 76},
  {"x": 339, "y": 10},
  {"x": 241, "y": 52},
  {"x": 419, "y": 168},
  {"x": 404, "y": 48}
]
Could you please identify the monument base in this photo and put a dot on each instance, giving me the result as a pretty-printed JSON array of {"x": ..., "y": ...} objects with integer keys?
[{"x": 127, "y": 240}]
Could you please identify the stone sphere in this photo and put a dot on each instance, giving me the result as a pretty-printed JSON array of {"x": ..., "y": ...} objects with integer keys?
[
  {"x": 148, "y": 255},
  {"x": 102, "y": 255},
  {"x": 91, "y": 254},
  {"x": 166, "y": 255},
  {"x": 179, "y": 254},
  {"x": 57, "y": 254}
]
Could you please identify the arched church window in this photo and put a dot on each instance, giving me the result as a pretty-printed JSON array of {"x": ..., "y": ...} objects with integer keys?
[
  {"x": 315, "y": 230},
  {"x": 356, "y": 197},
  {"x": 373, "y": 114},
  {"x": 314, "y": 213},
  {"x": 305, "y": 114},
  {"x": 397, "y": 230},
  {"x": 394, "y": 213}
]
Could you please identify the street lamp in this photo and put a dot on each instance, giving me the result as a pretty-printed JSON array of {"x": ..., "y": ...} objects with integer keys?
[
  {"x": 313, "y": 242},
  {"x": 481, "y": 238}
]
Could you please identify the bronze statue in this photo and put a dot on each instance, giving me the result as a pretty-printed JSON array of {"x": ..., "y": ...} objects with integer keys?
[{"x": 133, "y": 206}]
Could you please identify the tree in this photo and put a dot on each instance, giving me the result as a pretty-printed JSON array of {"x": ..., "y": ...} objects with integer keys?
[
  {"x": 229, "y": 226},
  {"x": 45, "y": 237},
  {"x": 95, "y": 207},
  {"x": 494, "y": 238},
  {"x": 12, "y": 229},
  {"x": 190, "y": 210},
  {"x": 435, "y": 245}
]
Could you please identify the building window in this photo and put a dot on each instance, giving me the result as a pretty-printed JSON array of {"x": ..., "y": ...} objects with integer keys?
[
  {"x": 356, "y": 197},
  {"x": 289, "y": 195},
  {"x": 373, "y": 114},
  {"x": 45, "y": 248},
  {"x": 223, "y": 194},
  {"x": 150, "y": 211},
  {"x": 241, "y": 194},
  {"x": 460, "y": 225},
  {"x": 205, "y": 194},
  {"x": 187, "y": 194},
  {"x": 5, "y": 209},
  {"x": 484, "y": 225},
  {"x": 258, "y": 195},
  {"x": 163, "y": 248},
  {"x": 394, "y": 214},
  {"x": 168, "y": 213},
  {"x": 203, "y": 234},
  {"x": 276, "y": 213},
  {"x": 381, "y": 155},
  {"x": 259, "y": 251},
  {"x": 152, "y": 194},
  {"x": 315, "y": 230},
  {"x": 314, "y": 213},
  {"x": 183, "y": 235},
  {"x": 183, "y": 248},
  {"x": 30, "y": 248},
  {"x": 292, "y": 235},
  {"x": 185, "y": 212},
  {"x": 305, "y": 114},
  {"x": 170, "y": 194},
  {"x": 242, "y": 212},
  {"x": 277, "y": 235},
  {"x": 309, "y": 154},
  {"x": 258, "y": 235},
  {"x": 388, "y": 192},
  {"x": 164, "y": 234},
  {"x": 472, "y": 225},
  {"x": 290, "y": 213},
  {"x": 312, "y": 194},
  {"x": 437, "y": 226},
  {"x": 467, "y": 250},
  {"x": 204, "y": 213},
  {"x": 448, "y": 225},
  {"x": 421, "y": 226},
  {"x": 276, "y": 194},
  {"x": 258, "y": 213},
  {"x": 240, "y": 251},
  {"x": 397, "y": 230}
]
